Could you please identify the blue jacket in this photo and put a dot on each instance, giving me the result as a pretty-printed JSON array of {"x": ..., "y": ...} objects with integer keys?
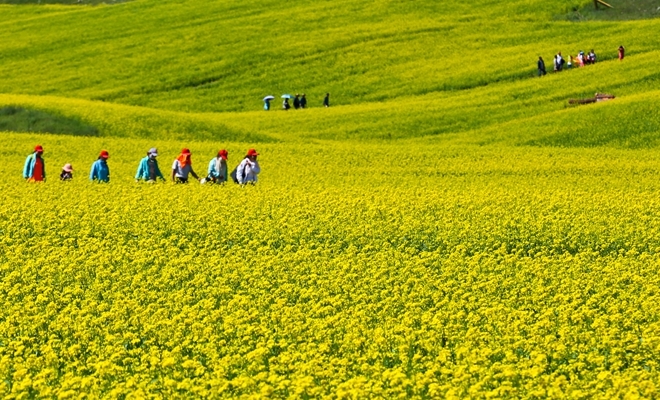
[
  {"x": 30, "y": 161},
  {"x": 100, "y": 171},
  {"x": 143, "y": 170},
  {"x": 217, "y": 174}
]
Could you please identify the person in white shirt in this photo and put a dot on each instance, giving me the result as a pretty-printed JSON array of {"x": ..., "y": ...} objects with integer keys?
[
  {"x": 248, "y": 169},
  {"x": 182, "y": 167}
]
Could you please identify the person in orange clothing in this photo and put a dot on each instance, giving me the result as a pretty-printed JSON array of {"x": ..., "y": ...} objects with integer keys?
[{"x": 35, "y": 167}]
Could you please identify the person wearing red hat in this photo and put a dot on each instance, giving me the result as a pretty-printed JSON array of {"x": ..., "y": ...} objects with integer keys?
[
  {"x": 100, "y": 171},
  {"x": 248, "y": 169},
  {"x": 35, "y": 167},
  {"x": 182, "y": 167},
  {"x": 218, "y": 168}
]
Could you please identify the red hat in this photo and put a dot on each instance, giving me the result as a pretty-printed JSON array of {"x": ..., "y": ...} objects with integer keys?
[
  {"x": 252, "y": 152},
  {"x": 104, "y": 154},
  {"x": 39, "y": 149},
  {"x": 185, "y": 152},
  {"x": 223, "y": 153}
]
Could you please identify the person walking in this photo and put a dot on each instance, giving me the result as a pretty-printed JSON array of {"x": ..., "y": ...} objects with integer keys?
[
  {"x": 217, "y": 172},
  {"x": 248, "y": 169},
  {"x": 148, "y": 168},
  {"x": 591, "y": 57},
  {"x": 559, "y": 62},
  {"x": 541, "y": 66},
  {"x": 182, "y": 167},
  {"x": 622, "y": 53},
  {"x": 326, "y": 100},
  {"x": 303, "y": 101},
  {"x": 67, "y": 172},
  {"x": 100, "y": 171},
  {"x": 34, "y": 169},
  {"x": 296, "y": 101},
  {"x": 285, "y": 104}
]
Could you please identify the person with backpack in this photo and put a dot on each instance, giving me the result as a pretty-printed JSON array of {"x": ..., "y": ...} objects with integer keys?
[
  {"x": 148, "y": 169},
  {"x": 217, "y": 172},
  {"x": 248, "y": 169},
  {"x": 34, "y": 169},
  {"x": 100, "y": 171},
  {"x": 182, "y": 167}
]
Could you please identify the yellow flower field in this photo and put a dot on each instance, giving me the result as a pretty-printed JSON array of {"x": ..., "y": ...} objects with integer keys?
[{"x": 379, "y": 270}]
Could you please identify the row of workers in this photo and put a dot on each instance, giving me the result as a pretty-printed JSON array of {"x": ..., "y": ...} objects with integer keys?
[{"x": 148, "y": 169}]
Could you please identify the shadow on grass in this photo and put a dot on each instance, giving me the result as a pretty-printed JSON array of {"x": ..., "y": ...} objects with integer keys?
[{"x": 17, "y": 119}]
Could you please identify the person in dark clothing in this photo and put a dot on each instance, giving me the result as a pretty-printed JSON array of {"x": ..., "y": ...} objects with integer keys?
[
  {"x": 67, "y": 173},
  {"x": 303, "y": 101},
  {"x": 285, "y": 104},
  {"x": 622, "y": 53},
  {"x": 541, "y": 66},
  {"x": 296, "y": 101},
  {"x": 326, "y": 100}
]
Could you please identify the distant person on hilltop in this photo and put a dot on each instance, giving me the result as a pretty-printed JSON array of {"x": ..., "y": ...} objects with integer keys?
[
  {"x": 67, "y": 172},
  {"x": 303, "y": 101},
  {"x": 622, "y": 53},
  {"x": 285, "y": 104},
  {"x": 182, "y": 167},
  {"x": 296, "y": 101},
  {"x": 217, "y": 172},
  {"x": 148, "y": 169},
  {"x": 34, "y": 169},
  {"x": 326, "y": 100},
  {"x": 580, "y": 58},
  {"x": 248, "y": 169},
  {"x": 591, "y": 57},
  {"x": 569, "y": 64},
  {"x": 541, "y": 66},
  {"x": 559, "y": 62},
  {"x": 100, "y": 171},
  {"x": 267, "y": 104}
]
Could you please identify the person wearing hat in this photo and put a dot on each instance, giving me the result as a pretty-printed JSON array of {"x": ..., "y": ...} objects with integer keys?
[
  {"x": 182, "y": 167},
  {"x": 67, "y": 172},
  {"x": 35, "y": 166},
  {"x": 303, "y": 101},
  {"x": 248, "y": 169},
  {"x": 100, "y": 171},
  {"x": 148, "y": 168},
  {"x": 218, "y": 168}
]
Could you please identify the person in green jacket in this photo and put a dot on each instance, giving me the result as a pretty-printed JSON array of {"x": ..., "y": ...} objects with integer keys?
[{"x": 148, "y": 169}]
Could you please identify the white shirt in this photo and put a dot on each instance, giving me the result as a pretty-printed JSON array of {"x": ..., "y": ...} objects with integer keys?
[
  {"x": 247, "y": 171},
  {"x": 181, "y": 172}
]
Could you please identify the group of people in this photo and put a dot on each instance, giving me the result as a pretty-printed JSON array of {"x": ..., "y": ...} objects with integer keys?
[
  {"x": 148, "y": 170},
  {"x": 580, "y": 60},
  {"x": 299, "y": 101}
]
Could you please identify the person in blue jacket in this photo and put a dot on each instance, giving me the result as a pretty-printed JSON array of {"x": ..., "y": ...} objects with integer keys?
[
  {"x": 35, "y": 166},
  {"x": 148, "y": 168},
  {"x": 217, "y": 172},
  {"x": 100, "y": 171}
]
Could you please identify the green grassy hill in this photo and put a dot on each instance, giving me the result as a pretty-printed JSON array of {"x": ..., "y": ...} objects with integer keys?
[{"x": 393, "y": 69}]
